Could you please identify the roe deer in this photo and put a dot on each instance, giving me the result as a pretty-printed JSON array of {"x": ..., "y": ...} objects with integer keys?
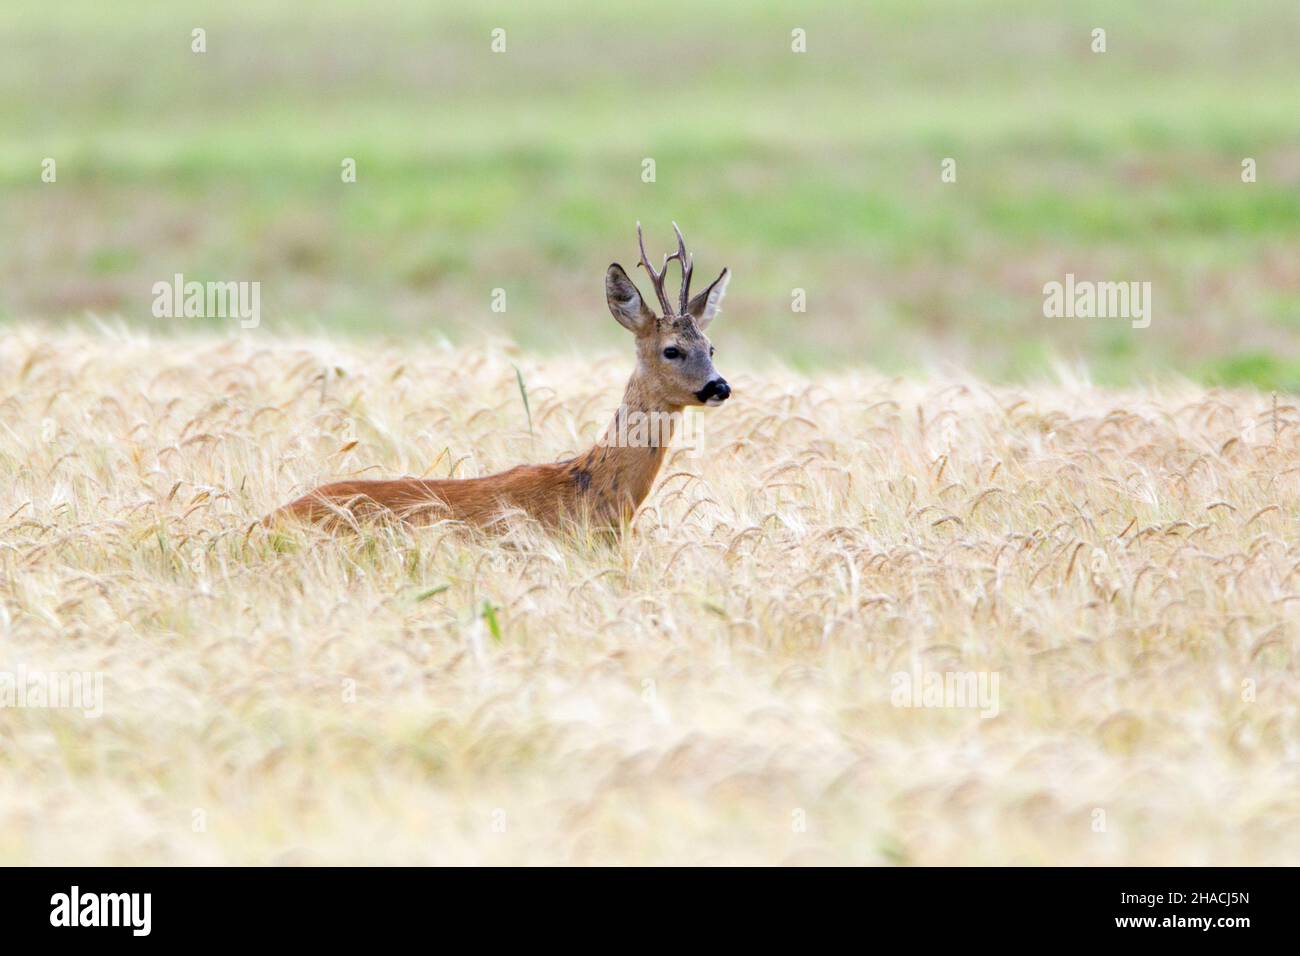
[{"x": 604, "y": 485}]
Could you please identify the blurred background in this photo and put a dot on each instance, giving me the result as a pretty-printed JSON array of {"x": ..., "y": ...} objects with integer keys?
[{"x": 818, "y": 171}]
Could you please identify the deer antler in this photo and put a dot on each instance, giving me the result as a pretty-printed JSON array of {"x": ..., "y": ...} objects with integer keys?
[
  {"x": 655, "y": 277},
  {"x": 688, "y": 265}
]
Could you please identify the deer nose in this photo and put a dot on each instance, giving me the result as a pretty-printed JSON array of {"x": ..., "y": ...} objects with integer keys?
[{"x": 716, "y": 389}]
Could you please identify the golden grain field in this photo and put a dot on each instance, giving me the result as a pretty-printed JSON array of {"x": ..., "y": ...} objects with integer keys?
[{"x": 717, "y": 689}]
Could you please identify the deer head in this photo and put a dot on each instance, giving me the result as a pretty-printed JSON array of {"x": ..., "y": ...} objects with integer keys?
[{"x": 674, "y": 358}]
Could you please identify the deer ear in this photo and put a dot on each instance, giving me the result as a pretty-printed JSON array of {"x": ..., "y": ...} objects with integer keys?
[
  {"x": 708, "y": 303},
  {"x": 625, "y": 301}
]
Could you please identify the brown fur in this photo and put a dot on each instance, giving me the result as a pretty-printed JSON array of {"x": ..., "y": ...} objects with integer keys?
[{"x": 604, "y": 485}]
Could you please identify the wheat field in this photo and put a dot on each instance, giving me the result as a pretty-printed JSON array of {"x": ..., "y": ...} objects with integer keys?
[{"x": 718, "y": 688}]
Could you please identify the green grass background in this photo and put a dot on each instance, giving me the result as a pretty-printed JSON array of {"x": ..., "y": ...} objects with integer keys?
[{"x": 817, "y": 171}]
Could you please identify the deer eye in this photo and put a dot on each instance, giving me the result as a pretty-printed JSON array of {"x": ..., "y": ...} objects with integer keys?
[
  {"x": 672, "y": 353},
  {"x": 710, "y": 351}
]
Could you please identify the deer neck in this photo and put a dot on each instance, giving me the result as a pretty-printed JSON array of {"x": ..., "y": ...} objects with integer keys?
[{"x": 624, "y": 462}]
